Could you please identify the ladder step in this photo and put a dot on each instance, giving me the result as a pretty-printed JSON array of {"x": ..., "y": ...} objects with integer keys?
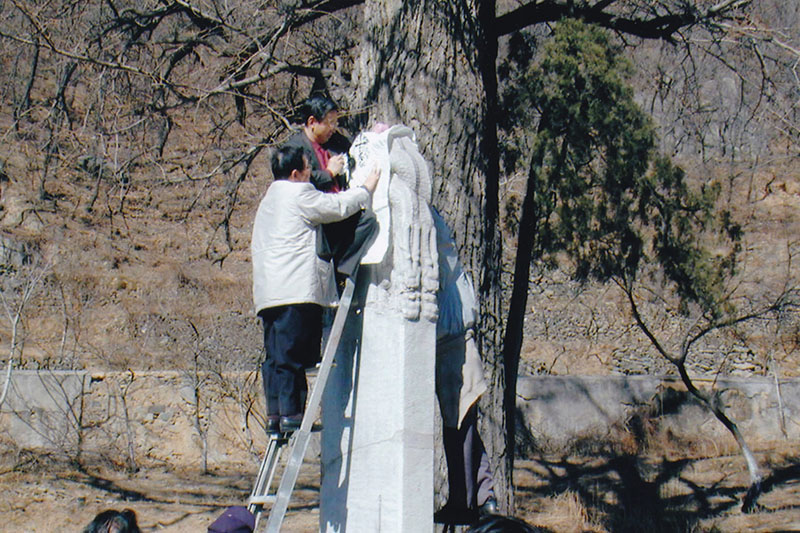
[{"x": 261, "y": 500}]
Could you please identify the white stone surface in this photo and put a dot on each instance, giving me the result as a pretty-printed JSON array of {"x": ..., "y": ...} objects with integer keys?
[
  {"x": 369, "y": 150},
  {"x": 378, "y": 415}
]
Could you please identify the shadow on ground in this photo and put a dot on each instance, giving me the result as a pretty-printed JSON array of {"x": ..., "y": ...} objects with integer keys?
[{"x": 632, "y": 493}]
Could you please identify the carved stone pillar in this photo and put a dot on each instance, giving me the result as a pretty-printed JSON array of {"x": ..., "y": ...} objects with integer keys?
[{"x": 378, "y": 408}]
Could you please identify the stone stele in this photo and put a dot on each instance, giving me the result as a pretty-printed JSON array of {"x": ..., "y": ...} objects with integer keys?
[{"x": 378, "y": 406}]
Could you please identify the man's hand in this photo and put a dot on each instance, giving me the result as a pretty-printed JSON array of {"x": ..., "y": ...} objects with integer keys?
[
  {"x": 372, "y": 180},
  {"x": 336, "y": 164}
]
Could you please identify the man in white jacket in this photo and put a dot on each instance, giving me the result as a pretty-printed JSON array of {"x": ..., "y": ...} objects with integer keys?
[{"x": 291, "y": 284}]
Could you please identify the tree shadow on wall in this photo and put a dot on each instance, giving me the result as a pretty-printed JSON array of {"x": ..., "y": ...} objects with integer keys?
[{"x": 638, "y": 476}]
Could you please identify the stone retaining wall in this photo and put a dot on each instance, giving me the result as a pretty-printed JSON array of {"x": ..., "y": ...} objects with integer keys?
[
  {"x": 170, "y": 418},
  {"x": 135, "y": 419},
  {"x": 558, "y": 411}
]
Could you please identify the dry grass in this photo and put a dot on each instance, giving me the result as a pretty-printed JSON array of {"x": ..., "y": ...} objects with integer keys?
[{"x": 564, "y": 513}]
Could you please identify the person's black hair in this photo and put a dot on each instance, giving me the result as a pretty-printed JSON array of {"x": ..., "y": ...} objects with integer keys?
[
  {"x": 286, "y": 159},
  {"x": 504, "y": 524},
  {"x": 317, "y": 106},
  {"x": 112, "y": 521}
]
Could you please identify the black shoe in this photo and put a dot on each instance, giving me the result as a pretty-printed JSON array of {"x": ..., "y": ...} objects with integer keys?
[
  {"x": 273, "y": 424},
  {"x": 290, "y": 424},
  {"x": 455, "y": 515},
  {"x": 488, "y": 507}
]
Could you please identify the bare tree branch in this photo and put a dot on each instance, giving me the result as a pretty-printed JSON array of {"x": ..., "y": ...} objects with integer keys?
[
  {"x": 655, "y": 26},
  {"x": 14, "y": 305}
]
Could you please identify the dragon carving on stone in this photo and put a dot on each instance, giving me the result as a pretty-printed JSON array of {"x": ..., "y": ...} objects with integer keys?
[{"x": 407, "y": 237}]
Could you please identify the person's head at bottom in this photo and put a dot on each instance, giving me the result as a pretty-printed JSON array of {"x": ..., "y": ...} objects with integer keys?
[
  {"x": 112, "y": 521},
  {"x": 504, "y": 524}
]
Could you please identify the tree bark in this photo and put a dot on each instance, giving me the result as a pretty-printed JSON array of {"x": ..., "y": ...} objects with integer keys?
[{"x": 431, "y": 66}]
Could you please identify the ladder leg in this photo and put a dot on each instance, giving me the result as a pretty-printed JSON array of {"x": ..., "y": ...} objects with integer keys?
[
  {"x": 288, "y": 481},
  {"x": 258, "y": 486},
  {"x": 303, "y": 435},
  {"x": 266, "y": 473}
]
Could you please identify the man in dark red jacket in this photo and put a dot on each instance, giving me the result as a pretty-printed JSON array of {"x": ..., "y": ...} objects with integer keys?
[{"x": 346, "y": 241}]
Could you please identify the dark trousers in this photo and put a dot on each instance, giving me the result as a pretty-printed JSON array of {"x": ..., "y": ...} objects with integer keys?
[
  {"x": 347, "y": 241},
  {"x": 292, "y": 337},
  {"x": 469, "y": 475}
]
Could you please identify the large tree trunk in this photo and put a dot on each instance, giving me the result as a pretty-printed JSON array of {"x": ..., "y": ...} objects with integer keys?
[{"x": 431, "y": 65}]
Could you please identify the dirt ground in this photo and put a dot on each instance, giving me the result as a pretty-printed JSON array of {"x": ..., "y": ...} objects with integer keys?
[
  {"x": 51, "y": 497},
  {"x": 563, "y": 494}
]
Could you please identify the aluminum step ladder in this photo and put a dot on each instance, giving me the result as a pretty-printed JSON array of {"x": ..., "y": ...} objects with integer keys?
[{"x": 298, "y": 441}]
